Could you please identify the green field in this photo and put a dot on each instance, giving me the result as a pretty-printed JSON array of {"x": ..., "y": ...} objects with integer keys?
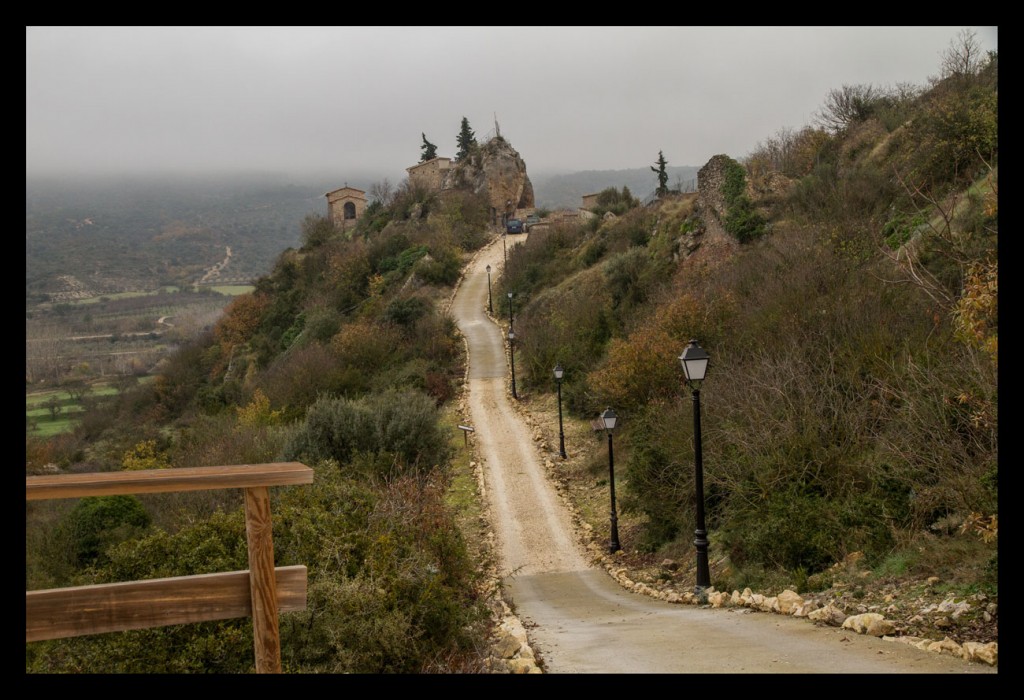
[
  {"x": 230, "y": 290},
  {"x": 233, "y": 290},
  {"x": 39, "y": 419},
  {"x": 124, "y": 295}
]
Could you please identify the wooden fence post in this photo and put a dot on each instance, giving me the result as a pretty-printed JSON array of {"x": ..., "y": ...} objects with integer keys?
[{"x": 262, "y": 580}]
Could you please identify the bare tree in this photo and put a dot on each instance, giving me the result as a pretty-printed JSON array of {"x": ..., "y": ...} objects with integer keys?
[
  {"x": 847, "y": 106},
  {"x": 382, "y": 191},
  {"x": 45, "y": 352},
  {"x": 963, "y": 58}
]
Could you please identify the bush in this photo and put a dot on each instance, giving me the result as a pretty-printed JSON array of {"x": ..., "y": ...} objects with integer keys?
[
  {"x": 790, "y": 529},
  {"x": 403, "y": 424},
  {"x": 294, "y": 380},
  {"x": 741, "y": 220},
  {"x": 567, "y": 324},
  {"x": 659, "y": 473},
  {"x": 958, "y": 134},
  {"x": 637, "y": 370},
  {"x": 541, "y": 261},
  {"x": 632, "y": 276},
  {"x": 405, "y": 311},
  {"x": 97, "y": 522},
  {"x": 744, "y": 222},
  {"x": 441, "y": 268}
]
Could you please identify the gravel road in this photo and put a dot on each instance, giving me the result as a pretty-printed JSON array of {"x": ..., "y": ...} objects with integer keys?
[{"x": 578, "y": 618}]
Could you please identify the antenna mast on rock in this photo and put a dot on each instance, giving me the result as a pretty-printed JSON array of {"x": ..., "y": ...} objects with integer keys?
[{"x": 497, "y": 131}]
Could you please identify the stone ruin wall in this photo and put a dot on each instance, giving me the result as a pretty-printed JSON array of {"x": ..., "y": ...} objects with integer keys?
[
  {"x": 430, "y": 174},
  {"x": 710, "y": 200}
]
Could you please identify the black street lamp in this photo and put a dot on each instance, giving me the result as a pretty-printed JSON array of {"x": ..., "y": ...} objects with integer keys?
[
  {"x": 510, "y": 310},
  {"x": 490, "y": 306},
  {"x": 512, "y": 356},
  {"x": 503, "y": 249},
  {"x": 695, "y": 366},
  {"x": 609, "y": 419},
  {"x": 561, "y": 434}
]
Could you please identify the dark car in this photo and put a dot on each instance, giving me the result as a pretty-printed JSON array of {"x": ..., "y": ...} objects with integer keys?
[{"x": 514, "y": 226}]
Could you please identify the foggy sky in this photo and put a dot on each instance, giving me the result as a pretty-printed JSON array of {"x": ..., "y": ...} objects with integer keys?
[{"x": 356, "y": 99}]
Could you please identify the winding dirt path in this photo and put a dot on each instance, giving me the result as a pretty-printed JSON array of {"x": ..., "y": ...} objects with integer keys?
[{"x": 579, "y": 620}]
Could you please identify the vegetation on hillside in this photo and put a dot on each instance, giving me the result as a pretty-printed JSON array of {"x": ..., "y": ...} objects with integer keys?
[
  {"x": 340, "y": 358},
  {"x": 851, "y": 405}
]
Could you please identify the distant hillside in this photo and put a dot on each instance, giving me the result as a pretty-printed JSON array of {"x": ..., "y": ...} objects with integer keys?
[
  {"x": 137, "y": 234},
  {"x": 566, "y": 191}
]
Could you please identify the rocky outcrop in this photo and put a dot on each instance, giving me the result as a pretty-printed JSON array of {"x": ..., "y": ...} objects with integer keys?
[
  {"x": 710, "y": 197},
  {"x": 497, "y": 171}
]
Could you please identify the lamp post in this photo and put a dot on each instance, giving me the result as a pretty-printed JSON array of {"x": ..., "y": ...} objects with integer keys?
[
  {"x": 504, "y": 234},
  {"x": 490, "y": 306},
  {"x": 512, "y": 357},
  {"x": 695, "y": 365},
  {"x": 561, "y": 435},
  {"x": 609, "y": 419},
  {"x": 510, "y": 310}
]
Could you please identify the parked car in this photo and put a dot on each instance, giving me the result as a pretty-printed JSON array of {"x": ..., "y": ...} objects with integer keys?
[
  {"x": 530, "y": 221},
  {"x": 514, "y": 226}
]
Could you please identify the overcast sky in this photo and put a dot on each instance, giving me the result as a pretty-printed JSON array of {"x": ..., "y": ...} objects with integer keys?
[{"x": 356, "y": 99}]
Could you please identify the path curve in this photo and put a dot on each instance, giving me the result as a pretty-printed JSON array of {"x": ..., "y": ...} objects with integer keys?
[{"x": 579, "y": 620}]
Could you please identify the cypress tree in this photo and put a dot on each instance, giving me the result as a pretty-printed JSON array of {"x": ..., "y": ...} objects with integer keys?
[
  {"x": 466, "y": 140},
  {"x": 662, "y": 188},
  {"x": 429, "y": 149}
]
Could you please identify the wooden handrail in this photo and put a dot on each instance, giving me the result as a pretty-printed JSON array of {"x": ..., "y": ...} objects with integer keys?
[
  {"x": 67, "y": 612},
  {"x": 132, "y": 605},
  {"x": 166, "y": 480}
]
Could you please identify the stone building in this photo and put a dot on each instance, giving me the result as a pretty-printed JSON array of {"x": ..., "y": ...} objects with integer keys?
[
  {"x": 431, "y": 173},
  {"x": 590, "y": 200},
  {"x": 345, "y": 205}
]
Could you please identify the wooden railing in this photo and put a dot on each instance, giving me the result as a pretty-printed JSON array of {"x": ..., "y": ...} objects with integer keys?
[{"x": 261, "y": 592}]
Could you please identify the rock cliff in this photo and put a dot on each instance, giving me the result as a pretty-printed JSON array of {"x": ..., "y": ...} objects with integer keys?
[{"x": 496, "y": 170}]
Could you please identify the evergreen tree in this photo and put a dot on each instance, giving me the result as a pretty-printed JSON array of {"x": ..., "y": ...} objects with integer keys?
[
  {"x": 429, "y": 149},
  {"x": 466, "y": 140},
  {"x": 662, "y": 188}
]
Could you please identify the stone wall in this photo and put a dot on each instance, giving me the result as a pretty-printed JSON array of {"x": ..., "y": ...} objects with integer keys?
[
  {"x": 711, "y": 200},
  {"x": 430, "y": 174}
]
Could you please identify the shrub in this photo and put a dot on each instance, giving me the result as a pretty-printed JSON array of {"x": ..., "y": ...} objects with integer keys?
[
  {"x": 541, "y": 261},
  {"x": 403, "y": 424},
  {"x": 97, "y": 522},
  {"x": 637, "y": 370},
  {"x": 612, "y": 200},
  {"x": 441, "y": 268},
  {"x": 405, "y": 311},
  {"x": 743, "y": 221},
  {"x": 567, "y": 324},
  {"x": 659, "y": 472},
  {"x": 790, "y": 529},
  {"x": 632, "y": 276},
  {"x": 294, "y": 380},
  {"x": 957, "y": 135}
]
